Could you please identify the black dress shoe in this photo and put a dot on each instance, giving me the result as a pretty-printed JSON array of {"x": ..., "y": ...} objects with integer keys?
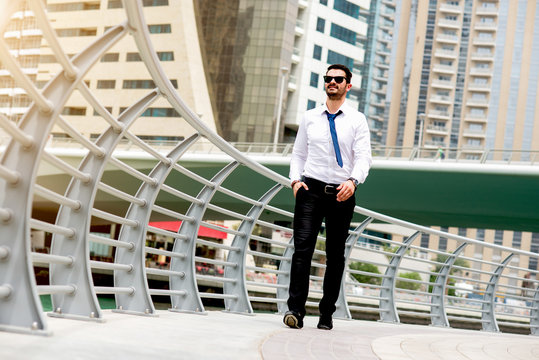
[
  {"x": 325, "y": 323},
  {"x": 293, "y": 320}
]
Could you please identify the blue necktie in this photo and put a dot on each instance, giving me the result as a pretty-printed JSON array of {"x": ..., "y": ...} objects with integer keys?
[{"x": 331, "y": 119}]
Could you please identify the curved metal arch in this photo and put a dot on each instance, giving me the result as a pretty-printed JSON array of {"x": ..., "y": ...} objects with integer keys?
[
  {"x": 343, "y": 311},
  {"x": 83, "y": 302},
  {"x": 18, "y": 196},
  {"x": 388, "y": 307},
  {"x": 140, "y": 302},
  {"x": 437, "y": 309},
  {"x": 191, "y": 301},
  {"x": 488, "y": 316},
  {"x": 241, "y": 303}
]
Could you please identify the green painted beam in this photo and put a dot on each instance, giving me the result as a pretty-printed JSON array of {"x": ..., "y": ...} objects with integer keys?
[{"x": 472, "y": 195}]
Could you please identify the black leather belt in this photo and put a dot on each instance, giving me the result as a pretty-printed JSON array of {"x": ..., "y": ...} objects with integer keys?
[{"x": 320, "y": 186}]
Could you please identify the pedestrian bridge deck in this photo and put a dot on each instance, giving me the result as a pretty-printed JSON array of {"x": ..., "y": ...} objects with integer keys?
[{"x": 220, "y": 335}]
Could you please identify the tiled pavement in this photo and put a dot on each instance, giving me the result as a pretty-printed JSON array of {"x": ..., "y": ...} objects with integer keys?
[{"x": 220, "y": 335}]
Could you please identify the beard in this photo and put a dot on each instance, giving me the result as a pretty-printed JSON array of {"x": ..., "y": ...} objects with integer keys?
[{"x": 336, "y": 95}]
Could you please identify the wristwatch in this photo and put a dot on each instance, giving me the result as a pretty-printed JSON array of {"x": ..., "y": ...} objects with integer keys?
[{"x": 354, "y": 181}]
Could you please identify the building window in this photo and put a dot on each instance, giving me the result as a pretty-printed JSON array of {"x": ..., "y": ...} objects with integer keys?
[
  {"x": 347, "y": 8},
  {"x": 75, "y": 32},
  {"x": 165, "y": 55},
  {"x": 311, "y": 104},
  {"x": 88, "y": 5},
  {"x": 110, "y": 57},
  {"x": 314, "y": 80},
  {"x": 75, "y": 111},
  {"x": 535, "y": 243},
  {"x": 114, "y": 4},
  {"x": 320, "y": 25},
  {"x": 132, "y": 56},
  {"x": 517, "y": 239},
  {"x": 336, "y": 58},
  {"x": 138, "y": 84},
  {"x": 108, "y": 108},
  {"x": 106, "y": 84},
  {"x": 442, "y": 243},
  {"x": 343, "y": 34},
  {"x": 154, "y": 2},
  {"x": 174, "y": 83},
  {"x": 324, "y": 2},
  {"x": 157, "y": 112},
  {"x": 317, "y": 52},
  {"x": 159, "y": 29},
  {"x": 424, "y": 240},
  {"x": 462, "y": 232},
  {"x": 498, "y": 237}
]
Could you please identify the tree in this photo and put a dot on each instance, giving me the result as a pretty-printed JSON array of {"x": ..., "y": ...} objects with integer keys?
[
  {"x": 407, "y": 284},
  {"x": 366, "y": 267},
  {"x": 441, "y": 259}
]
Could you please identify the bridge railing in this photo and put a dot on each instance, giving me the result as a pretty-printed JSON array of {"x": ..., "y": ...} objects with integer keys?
[{"x": 53, "y": 212}]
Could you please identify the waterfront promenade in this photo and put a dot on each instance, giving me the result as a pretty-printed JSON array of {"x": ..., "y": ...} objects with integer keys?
[{"x": 220, "y": 335}]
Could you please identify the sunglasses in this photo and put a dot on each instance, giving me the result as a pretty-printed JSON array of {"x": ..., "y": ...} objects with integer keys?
[{"x": 338, "y": 79}]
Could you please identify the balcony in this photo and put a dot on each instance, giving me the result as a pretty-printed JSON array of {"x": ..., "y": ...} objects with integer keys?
[
  {"x": 481, "y": 71},
  {"x": 302, "y": 4},
  {"x": 441, "y": 99},
  {"x": 435, "y": 144},
  {"x": 451, "y": 39},
  {"x": 474, "y": 133},
  {"x": 381, "y": 65},
  {"x": 443, "y": 84},
  {"x": 486, "y": 10},
  {"x": 437, "y": 130},
  {"x": 296, "y": 58},
  {"x": 444, "y": 69},
  {"x": 484, "y": 41},
  {"x": 446, "y": 54},
  {"x": 439, "y": 114},
  {"x": 452, "y": 24},
  {"x": 482, "y": 56},
  {"x": 478, "y": 87},
  {"x": 300, "y": 28},
  {"x": 476, "y": 118},
  {"x": 451, "y": 9},
  {"x": 491, "y": 25},
  {"x": 477, "y": 102}
]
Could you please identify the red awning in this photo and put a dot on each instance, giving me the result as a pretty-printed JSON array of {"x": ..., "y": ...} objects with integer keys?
[{"x": 202, "y": 230}]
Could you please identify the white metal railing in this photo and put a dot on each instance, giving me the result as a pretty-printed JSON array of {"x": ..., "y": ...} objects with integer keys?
[{"x": 246, "y": 263}]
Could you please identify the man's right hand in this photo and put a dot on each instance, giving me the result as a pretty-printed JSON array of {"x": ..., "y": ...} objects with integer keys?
[{"x": 298, "y": 185}]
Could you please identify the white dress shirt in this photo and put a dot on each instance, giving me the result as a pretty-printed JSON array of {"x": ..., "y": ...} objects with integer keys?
[{"x": 314, "y": 156}]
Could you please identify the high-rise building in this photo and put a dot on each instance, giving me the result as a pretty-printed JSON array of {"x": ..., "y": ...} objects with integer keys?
[
  {"x": 375, "y": 69},
  {"x": 464, "y": 74},
  {"x": 247, "y": 47},
  {"x": 331, "y": 31}
]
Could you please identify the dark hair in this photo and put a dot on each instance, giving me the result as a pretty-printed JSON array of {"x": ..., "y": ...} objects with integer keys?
[{"x": 343, "y": 68}]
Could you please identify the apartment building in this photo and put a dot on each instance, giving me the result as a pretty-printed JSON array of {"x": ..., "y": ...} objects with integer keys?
[
  {"x": 327, "y": 32},
  {"x": 464, "y": 74},
  {"x": 23, "y": 39},
  {"x": 120, "y": 77}
]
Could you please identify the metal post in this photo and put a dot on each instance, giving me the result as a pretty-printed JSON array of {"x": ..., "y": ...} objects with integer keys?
[
  {"x": 489, "y": 316},
  {"x": 437, "y": 308},
  {"x": 284, "y": 70},
  {"x": 388, "y": 307},
  {"x": 420, "y": 140},
  {"x": 241, "y": 304}
]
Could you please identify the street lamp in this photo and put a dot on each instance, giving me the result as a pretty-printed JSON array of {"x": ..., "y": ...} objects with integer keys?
[
  {"x": 284, "y": 71},
  {"x": 420, "y": 141}
]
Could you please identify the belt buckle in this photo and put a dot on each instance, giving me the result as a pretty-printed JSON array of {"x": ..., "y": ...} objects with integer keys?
[{"x": 329, "y": 189}]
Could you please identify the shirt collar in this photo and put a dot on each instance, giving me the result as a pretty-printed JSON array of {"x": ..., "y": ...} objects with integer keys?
[{"x": 344, "y": 108}]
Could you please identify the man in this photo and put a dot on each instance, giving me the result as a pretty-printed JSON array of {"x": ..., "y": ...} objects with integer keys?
[{"x": 331, "y": 156}]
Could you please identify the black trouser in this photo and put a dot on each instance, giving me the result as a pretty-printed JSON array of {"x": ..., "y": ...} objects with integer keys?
[{"x": 312, "y": 207}]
